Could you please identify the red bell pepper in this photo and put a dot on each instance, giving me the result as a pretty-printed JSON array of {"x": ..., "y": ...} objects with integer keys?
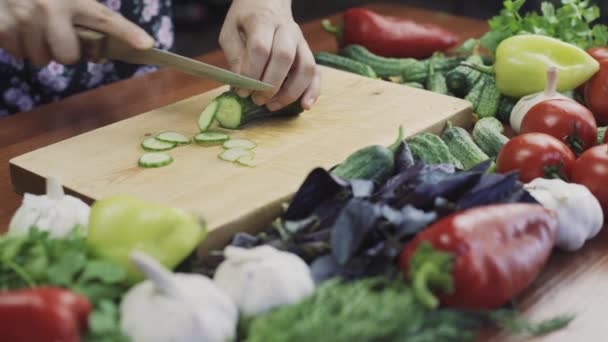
[
  {"x": 390, "y": 36},
  {"x": 482, "y": 257},
  {"x": 598, "y": 53},
  {"x": 42, "y": 314}
]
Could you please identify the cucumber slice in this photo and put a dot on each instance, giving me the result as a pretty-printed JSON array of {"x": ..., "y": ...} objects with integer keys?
[
  {"x": 173, "y": 137},
  {"x": 155, "y": 159},
  {"x": 230, "y": 111},
  {"x": 234, "y": 154},
  {"x": 247, "y": 161},
  {"x": 242, "y": 143},
  {"x": 153, "y": 144},
  {"x": 205, "y": 119},
  {"x": 211, "y": 137}
]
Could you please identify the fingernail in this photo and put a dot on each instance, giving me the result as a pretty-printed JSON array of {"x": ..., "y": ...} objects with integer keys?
[
  {"x": 309, "y": 102},
  {"x": 259, "y": 100},
  {"x": 242, "y": 92},
  {"x": 272, "y": 106}
]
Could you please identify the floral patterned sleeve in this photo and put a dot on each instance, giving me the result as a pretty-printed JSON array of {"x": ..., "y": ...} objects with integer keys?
[{"x": 23, "y": 86}]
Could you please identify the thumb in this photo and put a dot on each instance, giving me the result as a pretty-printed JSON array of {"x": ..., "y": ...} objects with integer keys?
[
  {"x": 93, "y": 15},
  {"x": 232, "y": 44}
]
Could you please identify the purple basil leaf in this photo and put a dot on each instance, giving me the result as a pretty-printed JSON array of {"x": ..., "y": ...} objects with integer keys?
[
  {"x": 245, "y": 240},
  {"x": 295, "y": 227},
  {"x": 318, "y": 186},
  {"x": 481, "y": 167},
  {"x": 403, "y": 183},
  {"x": 491, "y": 188},
  {"x": 407, "y": 221},
  {"x": 351, "y": 227},
  {"x": 361, "y": 187},
  {"x": 450, "y": 187},
  {"x": 403, "y": 158},
  {"x": 324, "y": 268}
]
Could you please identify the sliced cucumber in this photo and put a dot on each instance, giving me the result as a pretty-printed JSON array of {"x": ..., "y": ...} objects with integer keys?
[
  {"x": 247, "y": 161},
  {"x": 155, "y": 159},
  {"x": 234, "y": 154},
  {"x": 230, "y": 111},
  {"x": 173, "y": 137},
  {"x": 205, "y": 119},
  {"x": 153, "y": 144},
  {"x": 211, "y": 137},
  {"x": 242, "y": 143}
]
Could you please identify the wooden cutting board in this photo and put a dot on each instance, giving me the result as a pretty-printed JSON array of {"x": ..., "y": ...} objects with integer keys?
[{"x": 351, "y": 113}]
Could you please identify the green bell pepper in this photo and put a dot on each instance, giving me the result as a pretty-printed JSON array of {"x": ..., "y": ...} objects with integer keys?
[
  {"x": 522, "y": 61},
  {"x": 120, "y": 224}
]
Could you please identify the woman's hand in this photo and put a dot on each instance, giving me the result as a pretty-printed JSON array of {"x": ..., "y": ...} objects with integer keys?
[
  {"x": 43, "y": 30},
  {"x": 261, "y": 40}
]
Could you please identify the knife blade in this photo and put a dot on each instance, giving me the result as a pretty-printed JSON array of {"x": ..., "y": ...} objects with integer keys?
[{"x": 99, "y": 47}]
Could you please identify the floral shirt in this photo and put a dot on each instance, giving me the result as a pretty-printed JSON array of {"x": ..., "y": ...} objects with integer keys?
[{"x": 23, "y": 86}]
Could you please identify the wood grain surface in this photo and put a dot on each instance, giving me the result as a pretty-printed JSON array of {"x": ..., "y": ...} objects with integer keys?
[
  {"x": 571, "y": 282},
  {"x": 351, "y": 113}
]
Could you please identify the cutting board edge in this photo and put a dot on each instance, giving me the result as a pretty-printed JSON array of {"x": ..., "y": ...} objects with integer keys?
[
  {"x": 256, "y": 220},
  {"x": 37, "y": 183}
]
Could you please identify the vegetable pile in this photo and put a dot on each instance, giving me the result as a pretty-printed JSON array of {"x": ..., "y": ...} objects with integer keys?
[{"x": 432, "y": 238}]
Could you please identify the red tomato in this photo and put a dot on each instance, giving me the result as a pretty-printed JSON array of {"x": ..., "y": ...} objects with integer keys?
[
  {"x": 591, "y": 170},
  {"x": 605, "y": 138},
  {"x": 598, "y": 53},
  {"x": 536, "y": 155},
  {"x": 596, "y": 93},
  {"x": 564, "y": 119}
]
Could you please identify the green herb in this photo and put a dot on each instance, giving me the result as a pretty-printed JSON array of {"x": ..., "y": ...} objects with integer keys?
[
  {"x": 367, "y": 310},
  {"x": 36, "y": 259},
  {"x": 572, "y": 23},
  {"x": 510, "y": 320}
]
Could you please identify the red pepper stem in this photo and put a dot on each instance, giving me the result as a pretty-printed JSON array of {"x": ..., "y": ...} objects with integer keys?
[
  {"x": 329, "y": 28},
  {"x": 486, "y": 69},
  {"x": 430, "y": 270}
]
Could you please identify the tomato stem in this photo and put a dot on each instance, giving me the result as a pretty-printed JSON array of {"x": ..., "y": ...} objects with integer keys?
[
  {"x": 555, "y": 171},
  {"x": 574, "y": 141}
]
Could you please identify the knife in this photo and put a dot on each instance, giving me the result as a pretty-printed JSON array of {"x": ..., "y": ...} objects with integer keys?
[{"x": 99, "y": 47}]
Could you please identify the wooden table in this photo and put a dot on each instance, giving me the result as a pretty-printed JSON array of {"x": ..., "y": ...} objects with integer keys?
[{"x": 571, "y": 283}]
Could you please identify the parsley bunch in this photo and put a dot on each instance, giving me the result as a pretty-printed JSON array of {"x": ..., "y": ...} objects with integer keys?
[
  {"x": 571, "y": 22},
  {"x": 36, "y": 259}
]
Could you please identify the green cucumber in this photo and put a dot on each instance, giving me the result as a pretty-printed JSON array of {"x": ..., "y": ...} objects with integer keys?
[
  {"x": 431, "y": 149},
  {"x": 345, "y": 64},
  {"x": 375, "y": 163},
  {"x": 233, "y": 154},
  {"x": 173, "y": 137},
  {"x": 487, "y": 134},
  {"x": 414, "y": 85},
  {"x": 155, "y": 159},
  {"x": 601, "y": 133},
  {"x": 205, "y": 119},
  {"x": 417, "y": 72},
  {"x": 463, "y": 147},
  {"x": 461, "y": 79},
  {"x": 233, "y": 111},
  {"x": 248, "y": 160},
  {"x": 505, "y": 107},
  {"x": 384, "y": 67},
  {"x": 153, "y": 144},
  {"x": 242, "y": 143},
  {"x": 211, "y": 137},
  {"x": 436, "y": 80},
  {"x": 484, "y": 96}
]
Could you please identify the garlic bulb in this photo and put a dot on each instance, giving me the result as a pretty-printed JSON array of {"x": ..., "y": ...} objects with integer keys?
[
  {"x": 176, "y": 307},
  {"x": 55, "y": 212},
  {"x": 525, "y": 103},
  {"x": 579, "y": 213},
  {"x": 263, "y": 277}
]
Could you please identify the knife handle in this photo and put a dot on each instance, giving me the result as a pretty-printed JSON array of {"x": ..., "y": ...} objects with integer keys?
[{"x": 93, "y": 45}]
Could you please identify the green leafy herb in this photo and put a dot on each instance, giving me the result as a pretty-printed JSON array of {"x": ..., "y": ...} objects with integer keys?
[
  {"x": 512, "y": 322},
  {"x": 36, "y": 259},
  {"x": 571, "y": 22},
  {"x": 104, "y": 324},
  {"x": 373, "y": 309}
]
